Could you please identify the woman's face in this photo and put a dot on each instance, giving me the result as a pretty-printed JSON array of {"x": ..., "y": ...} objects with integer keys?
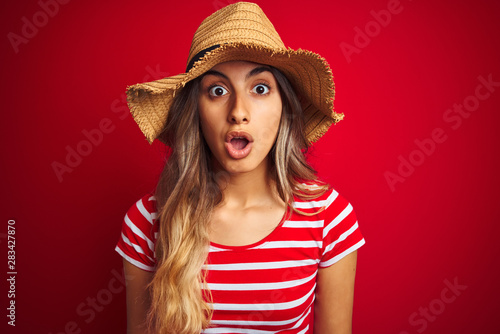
[{"x": 240, "y": 110}]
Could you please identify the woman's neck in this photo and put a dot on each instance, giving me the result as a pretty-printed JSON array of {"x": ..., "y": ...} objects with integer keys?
[{"x": 248, "y": 189}]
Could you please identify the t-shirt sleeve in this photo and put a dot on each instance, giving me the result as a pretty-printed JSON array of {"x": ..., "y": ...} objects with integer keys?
[
  {"x": 341, "y": 233},
  {"x": 138, "y": 234}
]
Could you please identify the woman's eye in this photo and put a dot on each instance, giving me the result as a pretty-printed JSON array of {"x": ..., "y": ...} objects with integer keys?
[
  {"x": 217, "y": 91},
  {"x": 261, "y": 89}
]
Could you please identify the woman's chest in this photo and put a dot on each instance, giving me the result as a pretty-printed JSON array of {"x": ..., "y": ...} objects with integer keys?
[
  {"x": 269, "y": 286},
  {"x": 238, "y": 227}
]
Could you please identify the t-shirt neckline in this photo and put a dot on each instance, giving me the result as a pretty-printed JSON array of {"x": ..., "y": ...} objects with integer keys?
[{"x": 257, "y": 243}]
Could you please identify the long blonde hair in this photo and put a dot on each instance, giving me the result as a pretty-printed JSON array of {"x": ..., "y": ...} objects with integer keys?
[{"x": 188, "y": 191}]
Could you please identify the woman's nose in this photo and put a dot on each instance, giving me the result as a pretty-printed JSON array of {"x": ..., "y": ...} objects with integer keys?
[{"x": 239, "y": 112}]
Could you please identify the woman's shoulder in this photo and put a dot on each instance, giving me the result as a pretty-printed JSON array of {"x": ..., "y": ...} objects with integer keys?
[
  {"x": 143, "y": 213},
  {"x": 139, "y": 233},
  {"x": 148, "y": 201},
  {"x": 319, "y": 197},
  {"x": 338, "y": 221}
]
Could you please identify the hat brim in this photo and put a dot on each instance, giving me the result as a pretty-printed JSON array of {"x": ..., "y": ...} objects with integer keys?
[{"x": 308, "y": 72}]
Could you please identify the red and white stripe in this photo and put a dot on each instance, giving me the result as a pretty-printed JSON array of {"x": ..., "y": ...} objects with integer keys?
[{"x": 269, "y": 286}]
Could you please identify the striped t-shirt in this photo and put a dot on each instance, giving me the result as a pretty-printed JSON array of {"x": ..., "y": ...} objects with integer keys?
[{"x": 266, "y": 287}]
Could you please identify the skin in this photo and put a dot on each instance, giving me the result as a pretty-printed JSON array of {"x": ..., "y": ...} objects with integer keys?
[
  {"x": 138, "y": 299},
  {"x": 334, "y": 297},
  {"x": 244, "y": 96}
]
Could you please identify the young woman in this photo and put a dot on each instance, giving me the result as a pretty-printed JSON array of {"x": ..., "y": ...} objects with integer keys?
[{"x": 239, "y": 236}]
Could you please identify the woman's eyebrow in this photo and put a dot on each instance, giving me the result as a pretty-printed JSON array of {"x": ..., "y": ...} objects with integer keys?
[
  {"x": 250, "y": 74},
  {"x": 216, "y": 73},
  {"x": 257, "y": 70}
]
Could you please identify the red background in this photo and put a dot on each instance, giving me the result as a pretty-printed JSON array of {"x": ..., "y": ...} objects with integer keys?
[{"x": 440, "y": 224}]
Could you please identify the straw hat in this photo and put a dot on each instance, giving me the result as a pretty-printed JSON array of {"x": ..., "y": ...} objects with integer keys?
[{"x": 240, "y": 31}]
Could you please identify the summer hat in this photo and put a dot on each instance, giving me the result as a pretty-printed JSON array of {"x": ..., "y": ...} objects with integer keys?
[{"x": 240, "y": 31}]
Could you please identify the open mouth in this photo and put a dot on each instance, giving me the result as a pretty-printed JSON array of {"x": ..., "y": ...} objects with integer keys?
[{"x": 239, "y": 143}]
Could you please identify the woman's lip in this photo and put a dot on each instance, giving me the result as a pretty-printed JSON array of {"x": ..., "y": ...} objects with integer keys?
[
  {"x": 238, "y": 154},
  {"x": 241, "y": 134},
  {"x": 234, "y": 153}
]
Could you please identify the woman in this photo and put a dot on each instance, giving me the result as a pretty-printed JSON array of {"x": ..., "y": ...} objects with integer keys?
[{"x": 239, "y": 235}]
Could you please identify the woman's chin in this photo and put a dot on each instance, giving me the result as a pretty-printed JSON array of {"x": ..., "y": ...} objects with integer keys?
[
  {"x": 243, "y": 166},
  {"x": 239, "y": 167}
]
